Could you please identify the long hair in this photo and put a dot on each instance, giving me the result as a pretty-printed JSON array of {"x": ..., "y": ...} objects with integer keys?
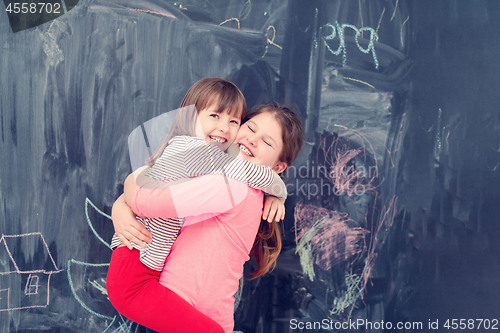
[
  {"x": 267, "y": 245},
  {"x": 204, "y": 93}
]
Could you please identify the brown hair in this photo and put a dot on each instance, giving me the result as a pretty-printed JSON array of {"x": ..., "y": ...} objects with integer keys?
[
  {"x": 206, "y": 92},
  {"x": 267, "y": 245}
]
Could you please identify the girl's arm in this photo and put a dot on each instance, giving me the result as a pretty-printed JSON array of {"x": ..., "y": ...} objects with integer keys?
[
  {"x": 210, "y": 194},
  {"x": 126, "y": 225},
  {"x": 274, "y": 208},
  {"x": 188, "y": 157}
]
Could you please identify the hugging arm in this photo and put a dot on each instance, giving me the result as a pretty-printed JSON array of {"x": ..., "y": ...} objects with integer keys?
[
  {"x": 127, "y": 228},
  {"x": 187, "y": 157},
  {"x": 192, "y": 170},
  {"x": 209, "y": 194},
  {"x": 184, "y": 158},
  {"x": 200, "y": 197}
]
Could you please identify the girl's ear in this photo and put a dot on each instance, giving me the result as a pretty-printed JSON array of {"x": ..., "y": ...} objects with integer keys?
[{"x": 280, "y": 167}]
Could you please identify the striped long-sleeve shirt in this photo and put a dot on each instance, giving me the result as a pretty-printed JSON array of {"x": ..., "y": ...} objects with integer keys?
[{"x": 187, "y": 157}]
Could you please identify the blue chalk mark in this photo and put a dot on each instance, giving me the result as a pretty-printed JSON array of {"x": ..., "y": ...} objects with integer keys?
[
  {"x": 118, "y": 323},
  {"x": 87, "y": 202},
  {"x": 73, "y": 261},
  {"x": 339, "y": 30},
  {"x": 111, "y": 324}
]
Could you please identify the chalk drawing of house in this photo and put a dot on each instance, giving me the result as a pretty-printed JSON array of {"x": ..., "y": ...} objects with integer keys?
[{"x": 26, "y": 266}]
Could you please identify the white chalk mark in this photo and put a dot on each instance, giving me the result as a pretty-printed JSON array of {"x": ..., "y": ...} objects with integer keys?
[
  {"x": 402, "y": 26},
  {"x": 50, "y": 44},
  {"x": 153, "y": 12},
  {"x": 353, "y": 292}
]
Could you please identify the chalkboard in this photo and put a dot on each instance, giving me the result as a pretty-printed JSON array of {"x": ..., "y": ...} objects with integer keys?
[{"x": 392, "y": 218}]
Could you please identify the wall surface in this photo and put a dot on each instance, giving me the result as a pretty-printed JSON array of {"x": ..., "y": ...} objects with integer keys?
[{"x": 393, "y": 210}]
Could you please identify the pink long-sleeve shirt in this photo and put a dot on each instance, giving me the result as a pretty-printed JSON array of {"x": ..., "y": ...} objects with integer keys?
[
  {"x": 182, "y": 160},
  {"x": 206, "y": 261}
]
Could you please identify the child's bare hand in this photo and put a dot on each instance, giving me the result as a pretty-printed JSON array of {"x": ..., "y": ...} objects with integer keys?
[
  {"x": 126, "y": 225},
  {"x": 274, "y": 209}
]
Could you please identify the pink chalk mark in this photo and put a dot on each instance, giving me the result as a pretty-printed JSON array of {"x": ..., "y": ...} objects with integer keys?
[
  {"x": 18, "y": 271},
  {"x": 380, "y": 232},
  {"x": 367, "y": 143},
  {"x": 342, "y": 172},
  {"x": 333, "y": 240}
]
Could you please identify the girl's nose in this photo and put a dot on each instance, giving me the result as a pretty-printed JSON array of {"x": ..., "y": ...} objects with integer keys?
[
  {"x": 252, "y": 141},
  {"x": 223, "y": 127}
]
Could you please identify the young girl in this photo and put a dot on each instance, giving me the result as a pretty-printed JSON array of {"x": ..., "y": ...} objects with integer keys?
[
  {"x": 207, "y": 259},
  {"x": 221, "y": 106}
]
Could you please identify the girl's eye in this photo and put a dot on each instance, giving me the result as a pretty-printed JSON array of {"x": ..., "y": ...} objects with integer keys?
[
  {"x": 267, "y": 143},
  {"x": 251, "y": 129},
  {"x": 214, "y": 115},
  {"x": 235, "y": 122}
]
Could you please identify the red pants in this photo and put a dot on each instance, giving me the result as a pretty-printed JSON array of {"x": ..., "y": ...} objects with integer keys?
[{"x": 134, "y": 291}]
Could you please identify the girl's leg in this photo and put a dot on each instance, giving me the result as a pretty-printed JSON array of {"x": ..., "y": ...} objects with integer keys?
[{"x": 135, "y": 292}]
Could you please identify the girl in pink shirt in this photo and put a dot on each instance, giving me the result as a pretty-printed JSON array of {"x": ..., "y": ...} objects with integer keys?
[
  {"x": 233, "y": 241},
  {"x": 206, "y": 261},
  {"x": 195, "y": 147}
]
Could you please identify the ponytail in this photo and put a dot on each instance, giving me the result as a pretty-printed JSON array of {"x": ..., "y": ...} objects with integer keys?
[{"x": 266, "y": 248}]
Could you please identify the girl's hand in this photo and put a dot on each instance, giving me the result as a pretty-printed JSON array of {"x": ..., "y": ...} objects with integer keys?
[
  {"x": 127, "y": 227},
  {"x": 132, "y": 182},
  {"x": 274, "y": 209}
]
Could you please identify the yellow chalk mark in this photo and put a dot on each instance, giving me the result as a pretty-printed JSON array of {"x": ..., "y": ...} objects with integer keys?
[
  {"x": 231, "y": 19},
  {"x": 356, "y": 80},
  {"x": 341, "y": 126},
  {"x": 99, "y": 285},
  {"x": 180, "y": 6},
  {"x": 395, "y": 8},
  {"x": 270, "y": 41}
]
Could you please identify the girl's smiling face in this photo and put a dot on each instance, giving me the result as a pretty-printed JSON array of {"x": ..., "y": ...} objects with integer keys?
[
  {"x": 260, "y": 141},
  {"x": 219, "y": 128}
]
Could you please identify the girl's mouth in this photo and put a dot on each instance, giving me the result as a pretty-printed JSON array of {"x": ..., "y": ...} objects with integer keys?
[
  {"x": 245, "y": 150},
  {"x": 218, "y": 139}
]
